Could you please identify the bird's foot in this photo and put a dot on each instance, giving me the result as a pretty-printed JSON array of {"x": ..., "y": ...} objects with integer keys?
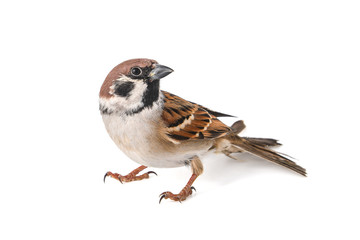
[
  {"x": 131, "y": 176},
  {"x": 183, "y": 194},
  {"x": 177, "y": 197}
]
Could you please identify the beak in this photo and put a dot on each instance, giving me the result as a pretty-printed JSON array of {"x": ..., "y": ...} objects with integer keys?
[{"x": 159, "y": 72}]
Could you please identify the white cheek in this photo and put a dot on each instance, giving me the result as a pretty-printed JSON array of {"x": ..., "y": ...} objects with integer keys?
[
  {"x": 129, "y": 103},
  {"x": 136, "y": 95}
]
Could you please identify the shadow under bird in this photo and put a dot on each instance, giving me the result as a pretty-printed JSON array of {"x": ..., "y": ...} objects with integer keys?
[{"x": 158, "y": 129}]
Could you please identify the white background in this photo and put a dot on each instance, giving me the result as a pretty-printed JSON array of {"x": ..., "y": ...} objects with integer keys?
[{"x": 288, "y": 68}]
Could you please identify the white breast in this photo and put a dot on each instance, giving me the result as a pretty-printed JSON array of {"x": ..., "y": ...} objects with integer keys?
[
  {"x": 139, "y": 138},
  {"x": 131, "y": 134}
]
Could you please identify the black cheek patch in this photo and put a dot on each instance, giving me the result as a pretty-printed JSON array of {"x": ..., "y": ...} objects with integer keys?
[{"x": 124, "y": 89}]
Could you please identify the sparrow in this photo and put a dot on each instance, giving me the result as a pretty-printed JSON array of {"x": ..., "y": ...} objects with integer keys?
[{"x": 158, "y": 129}]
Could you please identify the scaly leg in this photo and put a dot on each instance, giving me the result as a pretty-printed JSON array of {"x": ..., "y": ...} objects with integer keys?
[
  {"x": 197, "y": 169},
  {"x": 131, "y": 176},
  {"x": 183, "y": 194}
]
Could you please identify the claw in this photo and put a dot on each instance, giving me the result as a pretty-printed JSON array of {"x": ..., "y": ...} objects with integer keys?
[
  {"x": 152, "y": 172},
  {"x": 161, "y": 198},
  {"x": 120, "y": 179},
  {"x": 162, "y": 194},
  {"x": 193, "y": 188},
  {"x": 105, "y": 176}
]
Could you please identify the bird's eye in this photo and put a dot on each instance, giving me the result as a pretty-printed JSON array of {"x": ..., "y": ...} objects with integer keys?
[{"x": 136, "y": 71}]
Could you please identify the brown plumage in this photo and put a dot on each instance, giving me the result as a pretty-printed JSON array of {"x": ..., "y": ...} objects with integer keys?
[
  {"x": 186, "y": 120},
  {"x": 159, "y": 129},
  {"x": 258, "y": 147}
]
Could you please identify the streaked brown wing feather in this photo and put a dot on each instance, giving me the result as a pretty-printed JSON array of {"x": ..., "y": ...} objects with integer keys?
[{"x": 186, "y": 120}]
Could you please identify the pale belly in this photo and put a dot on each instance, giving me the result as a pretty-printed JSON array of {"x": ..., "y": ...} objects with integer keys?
[{"x": 137, "y": 139}]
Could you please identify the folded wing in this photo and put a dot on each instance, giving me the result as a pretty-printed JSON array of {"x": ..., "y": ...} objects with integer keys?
[{"x": 186, "y": 120}]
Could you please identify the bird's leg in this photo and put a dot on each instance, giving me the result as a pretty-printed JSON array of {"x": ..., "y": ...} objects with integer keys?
[
  {"x": 132, "y": 176},
  {"x": 197, "y": 169},
  {"x": 183, "y": 194}
]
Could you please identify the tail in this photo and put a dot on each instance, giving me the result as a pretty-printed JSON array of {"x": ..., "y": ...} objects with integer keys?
[
  {"x": 263, "y": 142},
  {"x": 258, "y": 147}
]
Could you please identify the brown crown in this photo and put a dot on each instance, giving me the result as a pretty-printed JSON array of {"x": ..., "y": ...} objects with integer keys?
[{"x": 122, "y": 69}]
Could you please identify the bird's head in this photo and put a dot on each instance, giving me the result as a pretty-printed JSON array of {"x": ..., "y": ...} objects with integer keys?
[{"x": 133, "y": 85}]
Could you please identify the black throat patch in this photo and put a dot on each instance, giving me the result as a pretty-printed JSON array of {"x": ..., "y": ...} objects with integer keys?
[{"x": 151, "y": 95}]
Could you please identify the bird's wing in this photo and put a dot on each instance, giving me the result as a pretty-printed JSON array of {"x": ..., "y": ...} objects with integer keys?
[{"x": 185, "y": 120}]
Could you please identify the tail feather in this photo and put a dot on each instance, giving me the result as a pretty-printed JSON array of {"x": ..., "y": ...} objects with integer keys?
[
  {"x": 238, "y": 126},
  {"x": 257, "y": 146},
  {"x": 263, "y": 142}
]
